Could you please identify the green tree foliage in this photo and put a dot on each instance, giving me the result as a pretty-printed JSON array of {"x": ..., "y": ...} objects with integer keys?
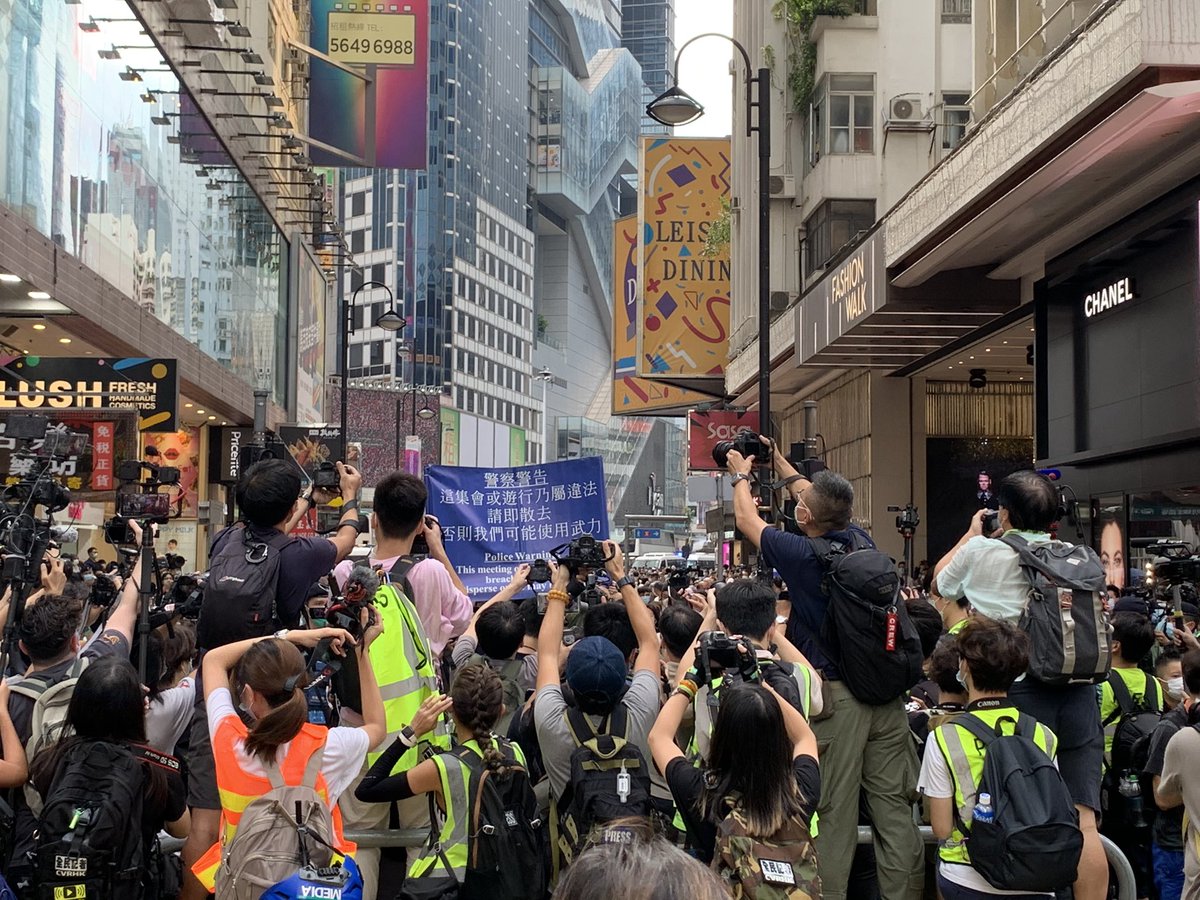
[{"x": 799, "y": 15}]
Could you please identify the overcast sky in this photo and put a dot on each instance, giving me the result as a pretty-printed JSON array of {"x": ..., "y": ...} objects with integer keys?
[{"x": 704, "y": 71}]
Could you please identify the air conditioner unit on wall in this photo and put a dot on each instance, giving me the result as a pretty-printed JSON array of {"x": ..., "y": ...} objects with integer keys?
[
  {"x": 905, "y": 109},
  {"x": 783, "y": 185}
]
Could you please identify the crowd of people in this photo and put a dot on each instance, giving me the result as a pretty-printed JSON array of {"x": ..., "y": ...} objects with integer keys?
[{"x": 667, "y": 734}]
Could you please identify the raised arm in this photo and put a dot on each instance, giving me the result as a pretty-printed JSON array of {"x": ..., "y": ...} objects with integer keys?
[
  {"x": 437, "y": 550},
  {"x": 505, "y": 594},
  {"x": 350, "y": 482},
  {"x": 13, "y": 767},
  {"x": 640, "y": 616},
  {"x": 745, "y": 506},
  {"x": 662, "y": 736},
  {"x": 551, "y": 633}
]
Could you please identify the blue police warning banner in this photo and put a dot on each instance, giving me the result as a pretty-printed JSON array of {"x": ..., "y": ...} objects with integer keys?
[{"x": 494, "y": 519}]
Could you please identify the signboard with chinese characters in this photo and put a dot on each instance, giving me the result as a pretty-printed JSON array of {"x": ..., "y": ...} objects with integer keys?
[
  {"x": 495, "y": 519},
  {"x": 51, "y": 383},
  {"x": 111, "y": 438}
]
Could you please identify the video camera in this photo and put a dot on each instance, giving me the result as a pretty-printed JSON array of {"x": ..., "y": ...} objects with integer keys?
[
  {"x": 583, "y": 552},
  {"x": 1174, "y": 563},
  {"x": 908, "y": 520}
]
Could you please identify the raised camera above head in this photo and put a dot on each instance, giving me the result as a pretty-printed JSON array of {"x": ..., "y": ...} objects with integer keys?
[
  {"x": 746, "y": 443},
  {"x": 326, "y": 477},
  {"x": 539, "y": 572},
  {"x": 583, "y": 552}
]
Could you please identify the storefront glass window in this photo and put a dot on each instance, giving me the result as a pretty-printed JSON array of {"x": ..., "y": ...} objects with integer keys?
[{"x": 102, "y": 152}]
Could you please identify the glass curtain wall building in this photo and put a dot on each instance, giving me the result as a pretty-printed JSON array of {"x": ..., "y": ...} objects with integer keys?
[
  {"x": 648, "y": 32},
  {"x": 104, "y": 152}
]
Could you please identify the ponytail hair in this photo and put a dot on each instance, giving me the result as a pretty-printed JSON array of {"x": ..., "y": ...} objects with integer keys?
[
  {"x": 478, "y": 702},
  {"x": 275, "y": 669}
]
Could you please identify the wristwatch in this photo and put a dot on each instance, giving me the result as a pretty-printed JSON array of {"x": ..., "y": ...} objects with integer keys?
[
  {"x": 740, "y": 476},
  {"x": 281, "y": 634},
  {"x": 625, "y": 580}
]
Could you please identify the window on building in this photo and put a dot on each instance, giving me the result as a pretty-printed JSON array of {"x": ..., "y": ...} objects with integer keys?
[
  {"x": 357, "y": 241},
  {"x": 358, "y": 203},
  {"x": 956, "y": 116},
  {"x": 379, "y": 272},
  {"x": 850, "y": 113},
  {"x": 356, "y": 353},
  {"x": 956, "y": 11},
  {"x": 832, "y": 226}
]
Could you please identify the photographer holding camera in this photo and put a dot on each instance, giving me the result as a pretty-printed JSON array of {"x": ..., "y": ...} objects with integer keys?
[
  {"x": 875, "y": 757},
  {"x": 256, "y": 567},
  {"x": 607, "y": 708},
  {"x": 989, "y": 572}
]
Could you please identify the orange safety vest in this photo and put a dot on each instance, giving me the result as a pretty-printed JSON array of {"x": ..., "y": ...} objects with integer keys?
[{"x": 238, "y": 789}]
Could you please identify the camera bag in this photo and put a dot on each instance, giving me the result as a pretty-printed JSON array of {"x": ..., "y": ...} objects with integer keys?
[
  {"x": 1069, "y": 635},
  {"x": 867, "y": 631}
]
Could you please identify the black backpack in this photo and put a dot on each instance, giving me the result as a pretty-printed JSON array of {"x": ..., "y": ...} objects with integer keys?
[
  {"x": 240, "y": 600},
  {"x": 90, "y": 841},
  {"x": 504, "y": 860},
  {"x": 1136, "y": 723},
  {"x": 1033, "y": 842},
  {"x": 1064, "y": 579},
  {"x": 609, "y": 780},
  {"x": 867, "y": 631}
]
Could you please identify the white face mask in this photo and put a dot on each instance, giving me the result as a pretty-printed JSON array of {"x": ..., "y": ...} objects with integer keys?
[{"x": 1175, "y": 688}]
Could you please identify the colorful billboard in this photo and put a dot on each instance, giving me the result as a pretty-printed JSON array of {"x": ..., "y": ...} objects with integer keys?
[
  {"x": 684, "y": 314},
  {"x": 372, "y": 121},
  {"x": 311, "y": 301},
  {"x": 632, "y": 395}
]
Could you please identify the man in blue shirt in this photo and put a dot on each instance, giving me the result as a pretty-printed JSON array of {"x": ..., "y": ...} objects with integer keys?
[{"x": 866, "y": 751}]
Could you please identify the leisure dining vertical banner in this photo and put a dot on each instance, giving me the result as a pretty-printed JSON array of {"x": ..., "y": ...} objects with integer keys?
[{"x": 494, "y": 519}]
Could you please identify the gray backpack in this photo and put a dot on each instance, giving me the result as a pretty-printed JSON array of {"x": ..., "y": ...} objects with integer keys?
[
  {"x": 1069, "y": 635},
  {"x": 287, "y": 829},
  {"x": 50, "y": 703}
]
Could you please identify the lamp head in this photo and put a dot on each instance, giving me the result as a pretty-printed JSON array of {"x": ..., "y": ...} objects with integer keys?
[
  {"x": 390, "y": 321},
  {"x": 674, "y": 106}
]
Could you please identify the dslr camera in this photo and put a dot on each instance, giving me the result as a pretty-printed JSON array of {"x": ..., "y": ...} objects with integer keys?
[
  {"x": 746, "y": 443},
  {"x": 539, "y": 572},
  {"x": 584, "y": 552},
  {"x": 720, "y": 654},
  {"x": 326, "y": 478}
]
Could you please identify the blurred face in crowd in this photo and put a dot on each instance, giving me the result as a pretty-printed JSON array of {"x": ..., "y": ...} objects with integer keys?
[
  {"x": 1112, "y": 554},
  {"x": 985, "y": 481}
]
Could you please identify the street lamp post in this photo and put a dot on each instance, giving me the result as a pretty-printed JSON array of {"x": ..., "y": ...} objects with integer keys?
[
  {"x": 676, "y": 107},
  {"x": 390, "y": 321},
  {"x": 545, "y": 376}
]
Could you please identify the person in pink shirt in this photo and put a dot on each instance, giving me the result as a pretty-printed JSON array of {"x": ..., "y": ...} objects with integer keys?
[{"x": 438, "y": 593}]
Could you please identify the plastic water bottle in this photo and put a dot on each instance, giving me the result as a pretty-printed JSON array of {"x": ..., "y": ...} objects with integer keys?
[
  {"x": 1131, "y": 790},
  {"x": 983, "y": 809}
]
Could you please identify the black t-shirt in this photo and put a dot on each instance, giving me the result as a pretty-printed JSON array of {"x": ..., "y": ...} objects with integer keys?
[
  {"x": 687, "y": 788},
  {"x": 1168, "y": 824},
  {"x": 301, "y": 562}
]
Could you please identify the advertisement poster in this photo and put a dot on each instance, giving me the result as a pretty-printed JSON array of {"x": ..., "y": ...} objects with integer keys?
[
  {"x": 181, "y": 450},
  {"x": 633, "y": 395},
  {"x": 311, "y": 300},
  {"x": 1110, "y": 532},
  {"x": 392, "y": 46},
  {"x": 494, "y": 519},
  {"x": 684, "y": 294},
  {"x": 961, "y": 477}
]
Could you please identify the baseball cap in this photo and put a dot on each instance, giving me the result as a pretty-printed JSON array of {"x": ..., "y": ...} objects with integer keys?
[
  {"x": 1131, "y": 603},
  {"x": 596, "y": 673}
]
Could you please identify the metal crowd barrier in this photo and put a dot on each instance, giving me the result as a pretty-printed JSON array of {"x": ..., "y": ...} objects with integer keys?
[{"x": 1126, "y": 888}]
